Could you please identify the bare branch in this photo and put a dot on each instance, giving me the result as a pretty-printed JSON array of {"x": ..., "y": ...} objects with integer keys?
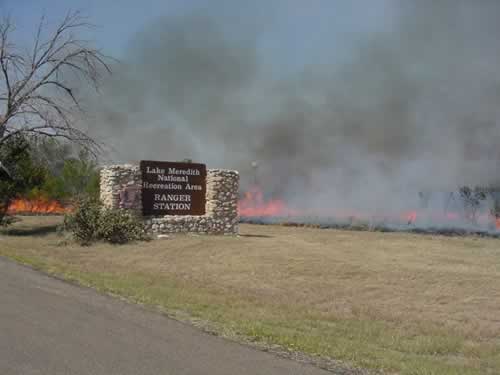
[
  {"x": 37, "y": 97},
  {"x": 5, "y": 29},
  {"x": 37, "y": 41}
]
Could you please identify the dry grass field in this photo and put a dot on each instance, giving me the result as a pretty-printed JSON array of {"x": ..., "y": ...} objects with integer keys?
[{"x": 401, "y": 303}]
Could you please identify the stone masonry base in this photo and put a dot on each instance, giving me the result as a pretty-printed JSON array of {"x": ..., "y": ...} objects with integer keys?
[{"x": 121, "y": 189}]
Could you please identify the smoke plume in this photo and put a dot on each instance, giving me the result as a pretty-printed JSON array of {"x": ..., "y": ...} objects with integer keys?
[{"x": 410, "y": 103}]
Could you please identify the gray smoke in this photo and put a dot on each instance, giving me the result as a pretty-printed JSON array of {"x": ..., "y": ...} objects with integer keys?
[{"x": 413, "y": 105}]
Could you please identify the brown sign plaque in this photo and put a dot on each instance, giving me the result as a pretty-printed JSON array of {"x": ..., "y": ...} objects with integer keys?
[{"x": 170, "y": 188}]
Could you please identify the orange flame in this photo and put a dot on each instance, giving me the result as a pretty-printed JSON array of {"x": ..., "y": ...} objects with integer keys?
[
  {"x": 410, "y": 217},
  {"x": 36, "y": 206},
  {"x": 253, "y": 204}
]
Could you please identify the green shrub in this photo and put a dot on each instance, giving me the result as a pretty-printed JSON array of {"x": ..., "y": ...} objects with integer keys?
[
  {"x": 84, "y": 221},
  {"x": 118, "y": 226},
  {"x": 91, "y": 222}
]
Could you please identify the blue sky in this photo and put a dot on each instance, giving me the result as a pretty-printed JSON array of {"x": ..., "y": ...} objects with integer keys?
[
  {"x": 116, "y": 21},
  {"x": 291, "y": 32}
]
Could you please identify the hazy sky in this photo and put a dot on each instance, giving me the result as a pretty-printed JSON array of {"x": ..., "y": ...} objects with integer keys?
[{"x": 292, "y": 32}]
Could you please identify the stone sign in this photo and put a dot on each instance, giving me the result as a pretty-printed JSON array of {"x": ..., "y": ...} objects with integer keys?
[
  {"x": 170, "y": 188},
  {"x": 122, "y": 189}
]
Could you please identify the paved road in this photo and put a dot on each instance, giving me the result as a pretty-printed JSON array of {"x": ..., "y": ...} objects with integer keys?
[{"x": 50, "y": 327}]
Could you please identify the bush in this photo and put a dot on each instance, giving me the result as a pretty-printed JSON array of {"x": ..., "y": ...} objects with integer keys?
[
  {"x": 84, "y": 221},
  {"x": 91, "y": 222},
  {"x": 117, "y": 226}
]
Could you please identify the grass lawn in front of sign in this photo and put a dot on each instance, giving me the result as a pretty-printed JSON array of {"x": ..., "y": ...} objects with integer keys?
[{"x": 403, "y": 303}]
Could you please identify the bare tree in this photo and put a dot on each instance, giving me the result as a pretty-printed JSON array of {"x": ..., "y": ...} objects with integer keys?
[{"x": 36, "y": 94}]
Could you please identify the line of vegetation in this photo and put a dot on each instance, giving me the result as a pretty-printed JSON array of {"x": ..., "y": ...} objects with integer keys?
[{"x": 46, "y": 170}]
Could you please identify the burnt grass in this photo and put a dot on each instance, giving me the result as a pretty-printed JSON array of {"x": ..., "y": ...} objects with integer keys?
[{"x": 331, "y": 223}]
